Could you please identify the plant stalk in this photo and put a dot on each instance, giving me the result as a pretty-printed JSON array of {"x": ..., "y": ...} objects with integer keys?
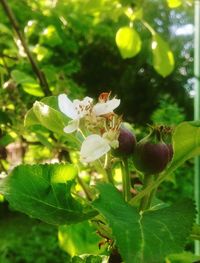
[
  {"x": 146, "y": 200},
  {"x": 126, "y": 182}
]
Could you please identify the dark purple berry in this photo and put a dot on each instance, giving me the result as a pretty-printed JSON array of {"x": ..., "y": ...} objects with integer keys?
[
  {"x": 115, "y": 257},
  {"x": 152, "y": 155},
  {"x": 127, "y": 142}
]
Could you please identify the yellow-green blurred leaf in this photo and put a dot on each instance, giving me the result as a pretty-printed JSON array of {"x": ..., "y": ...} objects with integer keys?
[
  {"x": 128, "y": 41},
  {"x": 174, "y": 3},
  {"x": 163, "y": 58},
  {"x": 33, "y": 89}
]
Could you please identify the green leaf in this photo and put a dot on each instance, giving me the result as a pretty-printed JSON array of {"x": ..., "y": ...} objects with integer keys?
[
  {"x": 44, "y": 192},
  {"x": 79, "y": 239},
  {"x": 163, "y": 58},
  {"x": 128, "y": 41},
  {"x": 21, "y": 77},
  {"x": 28, "y": 83},
  {"x": 147, "y": 237},
  {"x": 174, "y": 3},
  {"x": 186, "y": 143},
  {"x": 33, "y": 89},
  {"x": 185, "y": 257},
  {"x": 47, "y": 114},
  {"x": 48, "y": 117}
]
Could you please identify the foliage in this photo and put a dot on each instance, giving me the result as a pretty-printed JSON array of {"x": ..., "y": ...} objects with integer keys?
[
  {"x": 26, "y": 240},
  {"x": 131, "y": 48}
]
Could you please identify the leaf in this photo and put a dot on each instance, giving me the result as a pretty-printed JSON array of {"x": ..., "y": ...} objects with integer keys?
[
  {"x": 186, "y": 143},
  {"x": 21, "y": 77},
  {"x": 79, "y": 239},
  {"x": 163, "y": 58},
  {"x": 147, "y": 237},
  {"x": 48, "y": 117},
  {"x": 33, "y": 89},
  {"x": 185, "y": 257},
  {"x": 28, "y": 83},
  {"x": 128, "y": 41},
  {"x": 44, "y": 192},
  {"x": 47, "y": 114},
  {"x": 174, "y": 3}
]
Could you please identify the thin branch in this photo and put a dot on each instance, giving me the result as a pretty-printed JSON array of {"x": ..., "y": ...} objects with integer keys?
[{"x": 15, "y": 25}]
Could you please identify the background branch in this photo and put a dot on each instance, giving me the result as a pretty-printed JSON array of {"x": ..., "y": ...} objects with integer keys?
[{"x": 36, "y": 69}]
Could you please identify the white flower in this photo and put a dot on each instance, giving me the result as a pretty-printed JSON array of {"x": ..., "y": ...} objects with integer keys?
[
  {"x": 75, "y": 110},
  {"x": 105, "y": 107},
  {"x": 93, "y": 147}
]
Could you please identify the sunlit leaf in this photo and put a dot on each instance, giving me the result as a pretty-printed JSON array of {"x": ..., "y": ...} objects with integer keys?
[
  {"x": 139, "y": 236},
  {"x": 29, "y": 84},
  {"x": 44, "y": 192},
  {"x": 79, "y": 239},
  {"x": 47, "y": 114},
  {"x": 174, "y": 3},
  {"x": 163, "y": 58},
  {"x": 128, "y": 41},
  {"x": 185, "y": 257},
  {"x": 33, "y": 89}
]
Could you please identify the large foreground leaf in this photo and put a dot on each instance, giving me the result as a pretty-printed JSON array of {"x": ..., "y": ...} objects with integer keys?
[
  {"x": 44, "y": 192},
  {"x": 147, "y": 237}
]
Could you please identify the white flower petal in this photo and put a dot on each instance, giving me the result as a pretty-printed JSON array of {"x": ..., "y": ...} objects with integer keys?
[
  {"x": 87, "y": 100},
  {"x": 102, "y": 108},
  {"x": 72, "y": 126},
  {"x": 66, "y": 106},
  {"x": 93, "y": 148}
]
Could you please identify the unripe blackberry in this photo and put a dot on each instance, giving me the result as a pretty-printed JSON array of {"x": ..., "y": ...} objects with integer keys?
[
  {"x": 152, "y": 155},
  {"x": 127, "y": 142}
]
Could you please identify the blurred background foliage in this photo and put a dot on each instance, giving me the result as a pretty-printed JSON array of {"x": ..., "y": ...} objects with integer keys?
[{"x": 78, "y": 46}]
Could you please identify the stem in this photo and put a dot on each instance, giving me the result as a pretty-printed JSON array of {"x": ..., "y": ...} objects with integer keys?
[
  {"x": 145, "y": 202},
  {"x": 15, "y": 25},
  {"x": 126, "y": 183},
  {"x": 151, "y": 30},
  {"x": 109, "y": 175},
  {"x": 85, "y": 188},
  {"x": 153, "y": 192}
]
